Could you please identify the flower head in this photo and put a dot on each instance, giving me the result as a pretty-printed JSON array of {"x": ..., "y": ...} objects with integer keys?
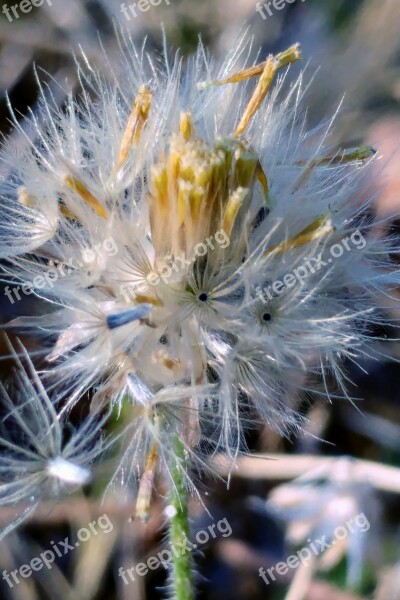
[{"x": 200, "y": 238}]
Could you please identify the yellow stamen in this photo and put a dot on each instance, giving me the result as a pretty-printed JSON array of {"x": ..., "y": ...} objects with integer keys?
[
  {"x": 267, "y": 76},
  {"x": 320, "y": 227},
  {"x": 136, "y": 123},
  {"x": 25, "y": 198},
  {"x": 345, "y": 156},
  {"x": 186, "y": 126},
  {"x": 80, "y": 188},
  {"x": 67, "y": 213},
  {"x": 233, "y": 206},
  {"x": 189, "y": 189},
  {"x": 283, "y": 59},
  {"x": 143, "y": 502},
  {"x": 143, "y": 299},
  {"x": 267, "y": 71}
]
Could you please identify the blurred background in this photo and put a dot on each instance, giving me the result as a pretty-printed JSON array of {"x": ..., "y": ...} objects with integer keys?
[{"x": 348, "y": 462}]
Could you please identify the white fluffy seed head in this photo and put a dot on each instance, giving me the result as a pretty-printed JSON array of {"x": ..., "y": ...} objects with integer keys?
[{"x": 232, "y": 250}]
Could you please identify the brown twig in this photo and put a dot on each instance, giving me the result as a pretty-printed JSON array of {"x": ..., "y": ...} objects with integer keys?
[{"x": 281, "y": 467}]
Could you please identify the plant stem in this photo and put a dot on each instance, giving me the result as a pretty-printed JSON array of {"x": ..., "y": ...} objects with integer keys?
[{"x": 182, "y": 576}]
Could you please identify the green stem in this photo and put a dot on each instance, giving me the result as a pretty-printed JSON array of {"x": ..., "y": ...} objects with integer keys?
[{"x": 182, "y": 576}]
